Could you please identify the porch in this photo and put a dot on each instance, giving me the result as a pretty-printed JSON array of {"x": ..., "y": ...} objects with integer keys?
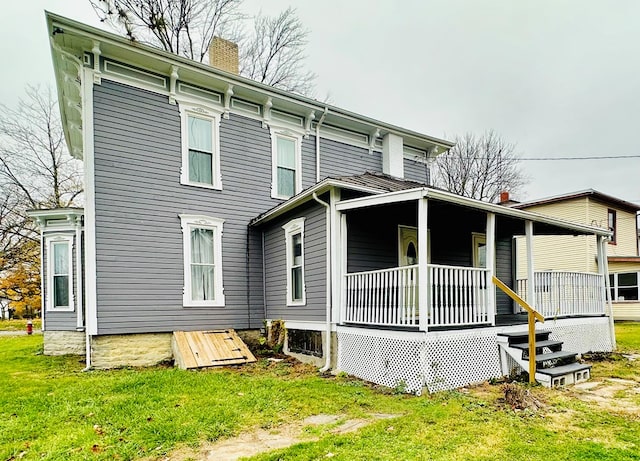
[{"x": 384, "y": 270}]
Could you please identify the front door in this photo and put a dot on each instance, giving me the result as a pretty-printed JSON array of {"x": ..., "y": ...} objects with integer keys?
[{"x": 407, "y": 246}]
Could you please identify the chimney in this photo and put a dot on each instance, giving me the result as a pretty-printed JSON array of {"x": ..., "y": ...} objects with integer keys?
[
  {"x": 223, "y": 55},
  {"x": 504, "y": 197}
]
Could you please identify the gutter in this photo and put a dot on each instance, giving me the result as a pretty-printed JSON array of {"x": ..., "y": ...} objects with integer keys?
[{"x": 327, "y": 364}]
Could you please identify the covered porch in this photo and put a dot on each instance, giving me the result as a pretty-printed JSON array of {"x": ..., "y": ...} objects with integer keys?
[{"x": 465, "y": 243}]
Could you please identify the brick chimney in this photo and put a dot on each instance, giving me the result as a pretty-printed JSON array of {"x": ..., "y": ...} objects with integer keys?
[
  {"x": 223, "y": 55},
  {"x": 504, "y": 196}
]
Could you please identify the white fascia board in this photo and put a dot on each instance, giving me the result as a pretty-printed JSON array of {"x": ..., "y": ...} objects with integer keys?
[
  {"x": 381, "y": 199},
  {"x": 515, "y": 213},
  {"x": 306, "y": 195}
]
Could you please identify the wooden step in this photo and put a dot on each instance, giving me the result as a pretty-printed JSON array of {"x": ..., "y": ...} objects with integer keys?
[
  {"x": 523, "y": 336},
  {"x": 558, "y": 355},
  {"x": 564, "y": 369},
  {"x": 539, "y": 345}
]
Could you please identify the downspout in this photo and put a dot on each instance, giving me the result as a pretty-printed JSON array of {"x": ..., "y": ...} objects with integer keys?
[
  {"x": 324, "y": 114},
  {"x": 80, "y": 318},
  {"x": 327, "y": 364},
  {"x": 605, "y": 261},
  {"x": 264, "y": 281}
]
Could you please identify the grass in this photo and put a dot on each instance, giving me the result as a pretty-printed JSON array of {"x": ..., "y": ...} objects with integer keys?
[
  {"x": 50, "y": 410},
  {"x": 628, "y": 336},
  {"x": 19, "y": 324}
]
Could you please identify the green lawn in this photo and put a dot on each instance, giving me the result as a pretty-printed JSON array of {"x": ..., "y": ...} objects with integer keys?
[
  {"x": 49, "y": 409},
  {"x": 19, "y": 324}
]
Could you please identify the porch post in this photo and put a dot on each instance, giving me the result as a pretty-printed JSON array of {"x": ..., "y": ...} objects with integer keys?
[
  {"x": 491, "y": 266},
  {"x": 528, "y": 228},
  {"x": 602, "y": 246},
  {"x": 423, "y": 269},
  {"x": 343, "y": 267}
]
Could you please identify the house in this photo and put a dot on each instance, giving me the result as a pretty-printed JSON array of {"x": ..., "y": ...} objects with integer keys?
[
  {"x": 213, "y": 201},
  {"x": 580, "y": 254}
]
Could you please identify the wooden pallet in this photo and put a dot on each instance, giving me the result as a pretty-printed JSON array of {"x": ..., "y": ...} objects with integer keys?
[{"x": 200, "y": 349}]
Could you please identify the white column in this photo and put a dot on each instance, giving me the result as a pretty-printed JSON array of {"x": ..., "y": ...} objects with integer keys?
[
  {"x": 336, "y": 256},
  {"x": 528, "y": 228},
  {"x": 423, "y": 270},
  {"x": 79, "y": 306},
  {"x": 491, "y": 266},
  {"x": 605, "y": 269}
]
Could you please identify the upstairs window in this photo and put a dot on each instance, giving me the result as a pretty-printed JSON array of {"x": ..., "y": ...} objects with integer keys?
[
  {"x": 286, "y": 173},
  {"x": 200, "y": 148},
  {"x": 60, "y": 279},
  {"x": 611, "y": 224},
  {"x": 202, "y": 241},
  {"x": 294, "y": 238}
]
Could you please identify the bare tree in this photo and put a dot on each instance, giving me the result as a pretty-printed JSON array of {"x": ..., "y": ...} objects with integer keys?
[
  {"x": 274, "y": 53},
  {"x": 35, "y": 169},
  {"x": 480, "y": 167},
  {"x": 183, "y": 27}
]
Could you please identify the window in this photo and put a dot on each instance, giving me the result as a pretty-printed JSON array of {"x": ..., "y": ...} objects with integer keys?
[
  {"x": 294, "y": 235},
  {"x": 202, "y": 246},
  {"x": 479, "y": 250},
  {"x": 611, "y": 224},
  {"x": 624, "y": 286},
  {"x": 286, "y": 173},
  {"x": 200, "y": 148},
  {"x": 59, "y": 270}
]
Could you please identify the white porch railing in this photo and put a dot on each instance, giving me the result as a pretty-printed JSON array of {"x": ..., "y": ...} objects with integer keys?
[
  {"x": 389, "y": 297},
  {"x": 458, "y": 296},
  {"x": 565, "y": 294},
  {"x": 382, "y": 297}
]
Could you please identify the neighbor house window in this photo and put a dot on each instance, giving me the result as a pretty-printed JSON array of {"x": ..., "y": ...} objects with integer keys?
[
  {"x": 624, "y": 286},
  {"x": 294, "y": 238},
  {"x": 200, "y": 148},
  {"x": 202, "y": 245},
  {"x": 286, "y": 172},
  {"x": 59, "y": 269},
  {"x": 611, "y": 224}
]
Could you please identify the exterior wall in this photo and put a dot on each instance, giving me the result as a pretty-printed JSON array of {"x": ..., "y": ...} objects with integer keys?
[
  {"x": 56, "y": 320},
  {"x": 138, "y": 199},
  {"x": 626, "y": 228},
  {"x": 575, "y": 251},
  {"x": 627, "y": 310},
  {"x": 339, "y": 159},
  {"x": 416, "y": 171},
  {"x": 315, "y": 264}
]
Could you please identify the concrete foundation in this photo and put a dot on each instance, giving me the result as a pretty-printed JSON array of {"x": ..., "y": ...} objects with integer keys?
[
  {"x": 64, "y": 343},
  {"x": 135, "y": 350}
]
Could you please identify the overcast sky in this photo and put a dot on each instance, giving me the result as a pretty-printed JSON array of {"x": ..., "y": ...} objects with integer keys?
[{"x": 559, "y": 78}]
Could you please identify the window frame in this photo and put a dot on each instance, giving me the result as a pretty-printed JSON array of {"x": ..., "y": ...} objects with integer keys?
[
  {"x": 611, "y": 212},
  {"x": 52, "y": 240},
  {"x": 478, "y": 238},
  {"x": 284, "y": 133},
  {"x": 291, "y": 229},
  {"x": 188, "y": 222},
  {"x": 615, "y": 287},
  {"x": 209, "y": 114}
]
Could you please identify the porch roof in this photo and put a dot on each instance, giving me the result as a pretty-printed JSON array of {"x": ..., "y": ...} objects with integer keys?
[{"x": 383, "y": 189}]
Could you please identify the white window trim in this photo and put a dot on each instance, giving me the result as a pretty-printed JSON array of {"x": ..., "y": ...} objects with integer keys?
[
  {"x": 615, "y": 286},
  {"x": 290, "y": 229},
  {"x": 187, "y": 222},
  {"x": 206, "y": 113},
  {"x": 297, "y": 138},
  {"x": 51, "y": 241}
]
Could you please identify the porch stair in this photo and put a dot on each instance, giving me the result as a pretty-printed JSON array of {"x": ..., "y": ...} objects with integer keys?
[{"x": 554, "y": 366}]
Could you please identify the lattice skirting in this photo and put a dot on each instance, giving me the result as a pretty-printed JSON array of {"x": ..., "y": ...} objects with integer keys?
[
  {"x": 447, "y": 360},
  {"x": 581, "y": 334}
]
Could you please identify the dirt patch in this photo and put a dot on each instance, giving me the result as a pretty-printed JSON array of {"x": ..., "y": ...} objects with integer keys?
[
  {"x": 258, "y": 441},
  {"x": 612, "y": 394}
]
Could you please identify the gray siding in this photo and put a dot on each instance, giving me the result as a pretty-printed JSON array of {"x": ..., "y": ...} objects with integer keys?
[
  {"x": 339, "y": 159},
  {"x": 60, "y": 320},
  {"x": 315, "y": 263},
  {"x": 416, "y": 171},
  {"x": 138, "y": 199},
  {"x": 504, "y": 272},
  {"x": 308, "y": 162}
]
